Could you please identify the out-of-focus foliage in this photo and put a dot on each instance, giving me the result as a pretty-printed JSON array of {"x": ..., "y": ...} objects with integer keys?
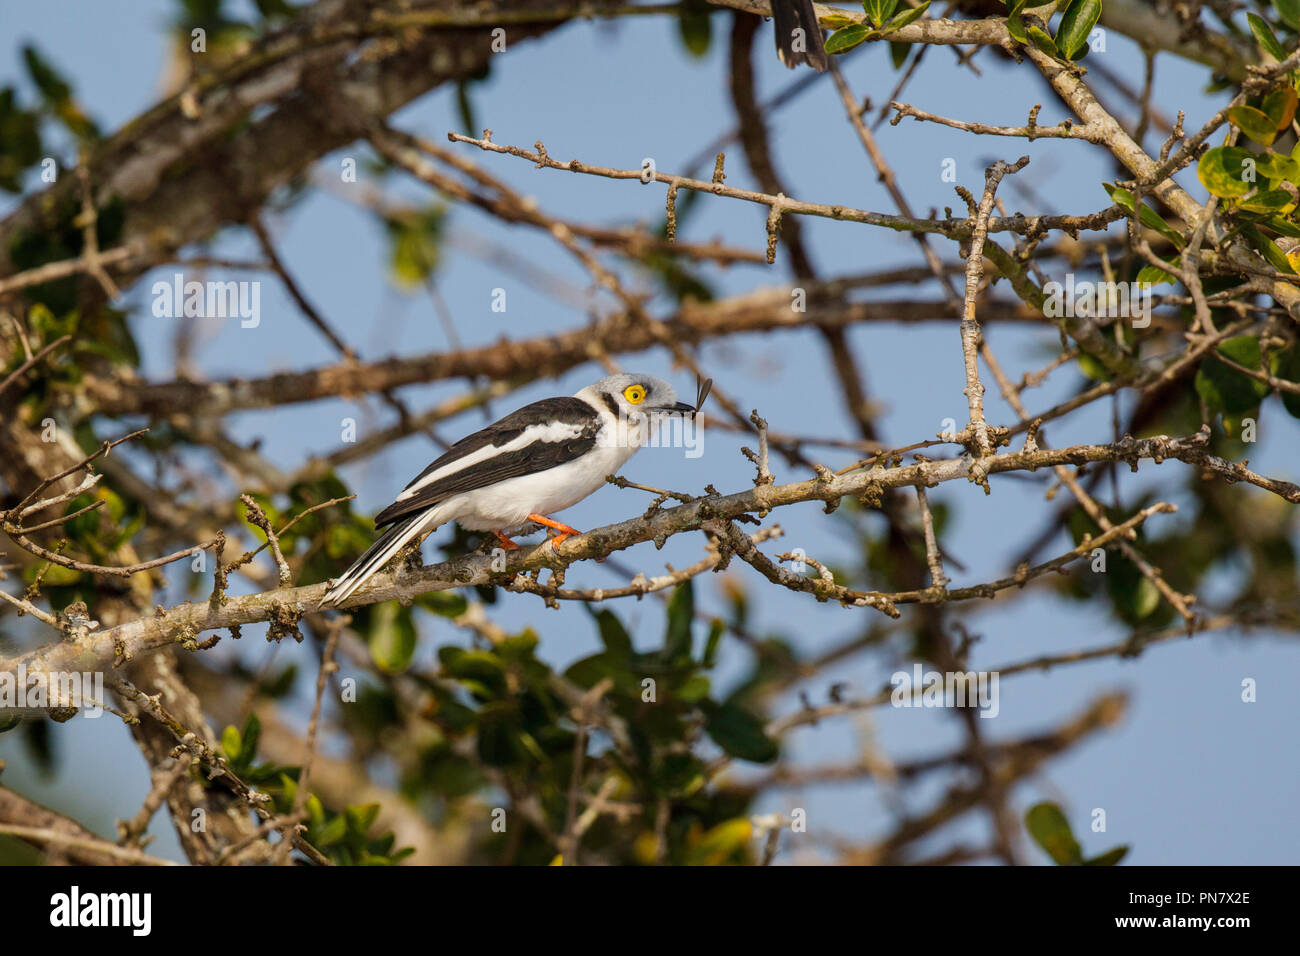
[{"x": 1051, "y": 831}]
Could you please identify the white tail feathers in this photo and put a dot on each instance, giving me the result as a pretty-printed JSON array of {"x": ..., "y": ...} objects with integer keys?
[{"x": 377, "y": 555}]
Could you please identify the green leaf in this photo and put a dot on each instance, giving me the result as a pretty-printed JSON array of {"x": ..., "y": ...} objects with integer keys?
[
  {"x": 1270, "y": 201},
  {"x": 1275, "y": 167},
  {"x": 54, "y": 89},
  {"x": 46, "y": 324},
  {"x": 740, "y": 733},
  {"x": 55, "y": 576},
  {"x": 1134, "y": 596},
  {"x": 392, "y": 637},
  {"x": 1289, "y": 11},
  {"x": 1076, "y": 25},
  {"x": 679, "y": 775},
  {"x": 878, "y": 11},
  {"x": 1265, "y": 36},
  {"x": 1092, "y": 367},
  {"x": 696, "y": 29},
  {"x": 273, "y": 8},
  {"x": 1154, "y": 275},
  {"x": 612, "y": 633},
  {"x": 230, "y": 741},
  {"x": 361, "y": 818},
  {"x": 1280, "y": 106},
  {"x": 519, "y": 647},
  {"x": 1254, "y": 123},
  {"x": 332, "y": 832},
  {"x": 1015, "y": 24},
  {"x": 1146, "y": 215},
  {"x": 278, "y": 684},
  {"x": 1286, "y": 365},
  {"x": 900, "y": 20},
  {"x": 471, "y": 665},
  {"x": 681, "y": 615},
  {"x": 695, "y": 688},
  {"x": 1225, "y": 389},
  {"x": 590, "y": 671},
  {"x": 716, "y": 630},
  {"x": 415, "y": 241},
  {"x": 846, "y": 39},
  {"x": 289, "y": 792},
  {"x": 453, "y": 776},
  {"x": 1266, "y": 247},
  {"x": 315, "y": 809},
  {"x": 443, "y": 603},
  {"x": 1227, "y": 171},
  {"x": 1041, "y": 39},
  {"x": 497, "y": 744},
  {"x": 57, "y": 94},
  {"x": 1109, "y": 858},
  {"x": 20, "y": 140},
  {"x": 1283, "y": 227},
  {"x": 250, "y": 738},
  {"x": 725, "y": 842},
  {"x": 898, "y": 53},
  {"x": 83, "y": 528},
  {"x": 1051, "y": 831}
]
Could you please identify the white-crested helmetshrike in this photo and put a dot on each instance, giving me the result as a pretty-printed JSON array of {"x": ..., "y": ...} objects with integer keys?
[{"x": 536, "y": 461}]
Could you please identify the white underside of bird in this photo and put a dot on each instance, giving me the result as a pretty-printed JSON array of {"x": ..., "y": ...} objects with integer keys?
[
  {"x": 537, "y": 461},
  {"x": 507, "y": 504}
]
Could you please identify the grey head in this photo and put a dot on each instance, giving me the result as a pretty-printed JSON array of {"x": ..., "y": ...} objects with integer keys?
[{"x": 629, "y": 395}]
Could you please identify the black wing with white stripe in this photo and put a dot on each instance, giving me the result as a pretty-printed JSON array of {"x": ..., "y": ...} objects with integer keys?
[{"x": 547, "y": 451}]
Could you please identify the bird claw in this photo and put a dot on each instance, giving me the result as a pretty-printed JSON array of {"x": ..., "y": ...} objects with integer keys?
[
  {"x": 506, "y": 543},
  {"x": 564, "y": 531}
]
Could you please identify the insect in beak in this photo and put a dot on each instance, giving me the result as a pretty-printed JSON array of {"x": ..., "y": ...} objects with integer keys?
[{"x": 702, "y": 389}]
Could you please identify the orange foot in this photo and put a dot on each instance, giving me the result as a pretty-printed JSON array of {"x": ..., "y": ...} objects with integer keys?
[
  {"x": 506, "y": 542},
  {"x": 564, "y": 529}
]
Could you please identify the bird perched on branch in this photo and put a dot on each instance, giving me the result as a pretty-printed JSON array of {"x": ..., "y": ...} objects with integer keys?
[
  {"x": 536, "y": 461},
  {"x": 798, "y": 37}
]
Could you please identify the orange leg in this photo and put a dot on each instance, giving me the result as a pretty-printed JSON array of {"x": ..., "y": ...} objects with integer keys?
[
  {"x": 506, "y": 542},
  {"x": 564, "y": 529}
]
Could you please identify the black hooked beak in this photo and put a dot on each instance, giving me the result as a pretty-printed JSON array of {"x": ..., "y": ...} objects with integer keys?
[{"x": 681, "y": 408}]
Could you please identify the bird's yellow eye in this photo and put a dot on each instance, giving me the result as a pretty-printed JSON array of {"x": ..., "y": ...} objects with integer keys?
[{"x": 635, "y": 394}]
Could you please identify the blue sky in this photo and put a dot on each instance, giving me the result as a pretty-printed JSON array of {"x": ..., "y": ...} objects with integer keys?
[{"x": 1194, "y": 775}]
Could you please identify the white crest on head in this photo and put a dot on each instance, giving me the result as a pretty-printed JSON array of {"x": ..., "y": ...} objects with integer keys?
[{"x": 612, "y": 397}]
